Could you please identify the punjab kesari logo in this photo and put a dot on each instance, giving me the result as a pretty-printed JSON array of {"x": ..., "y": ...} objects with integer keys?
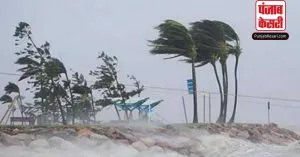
[{"x": 270, "y": 20}]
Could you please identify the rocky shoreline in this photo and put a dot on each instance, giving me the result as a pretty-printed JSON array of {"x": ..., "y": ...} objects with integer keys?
[{"x": 180, "y": 138}]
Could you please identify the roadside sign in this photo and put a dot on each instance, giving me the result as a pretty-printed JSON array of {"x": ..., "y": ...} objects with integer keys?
[{"x": 190, "y": 86}]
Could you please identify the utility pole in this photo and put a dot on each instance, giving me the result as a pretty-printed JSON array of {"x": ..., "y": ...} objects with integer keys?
[
  {"x": 184, "y": 109},
  {"x": 204, "y": 108},
  {"x": 269, "y": 112},
  {"x": 209, "y": 108}
]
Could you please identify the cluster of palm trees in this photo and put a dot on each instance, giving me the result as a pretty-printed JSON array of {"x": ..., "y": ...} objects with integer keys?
[
  {"x": 205, "y": 42},
  {"x": 57, "y": 94}
]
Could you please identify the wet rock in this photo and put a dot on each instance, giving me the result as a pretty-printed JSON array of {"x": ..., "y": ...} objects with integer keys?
[
  {"x": 148, "y": 141},
  {"x": 9, "y": 140},
  {"x": 85, "y": 142},
  {"x": 65, "y": 134},
  {"x": 233, "y": 132},
  {"x": 273, "y": 125},
  {"x": 15, "y": 131},
  {"x": 183, "y": 151},
  {"x": 106, "y": 145},
  {"x": 123, "y": 142},
  {"x": 98, "y": 137},
  {"x": 156, "y": 149},
  {"x": 60, "y": 143},
  {"x": 242, "y": 134},
  {"x": 180, "y": 142},
  {"x": 140, "y": 146},
  {"x": 39, "y": 143},
  {"x": 213, "y": 129},
  {"x": 196, "y": 155},
  {"x": 25, "y": 137},
  {"x": 84, "y": 132},
  {"x": 255, "y": 136}
]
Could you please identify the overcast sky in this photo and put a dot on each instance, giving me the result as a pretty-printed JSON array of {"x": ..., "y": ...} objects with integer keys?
[{"x": 78, "y": 30}]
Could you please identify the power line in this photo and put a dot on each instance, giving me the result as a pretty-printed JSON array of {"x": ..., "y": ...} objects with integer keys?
[
  {"x": 10, "y": 74},
  {"x": 201, "y": 92}
]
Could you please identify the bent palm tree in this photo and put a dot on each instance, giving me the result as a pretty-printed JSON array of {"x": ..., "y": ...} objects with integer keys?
[
  {"x": 175, "y": 39},
  {"x": 53, "y": 69},
  {"x": 236, "y": 52},
  {"x": 67, "y": 84}
]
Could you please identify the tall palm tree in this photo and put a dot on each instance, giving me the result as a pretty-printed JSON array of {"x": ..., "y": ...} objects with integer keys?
[
  {"x": 236, "y": 52},
  {"x": 213, "y": 42},
  {"x": 175, "y": 39},
  {"x": 206, "y": 38},
  {"x": 231, "y": 49}
]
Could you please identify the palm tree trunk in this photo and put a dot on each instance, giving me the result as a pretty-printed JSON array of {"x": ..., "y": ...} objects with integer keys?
[
  {"x": 236, "y": 89},
  {"x": 123, "y": 101},
  {"x": 72, "y": 99},
  {"x": 93, "y": 105},
  {"x": 118, "y": 113},
  {"x": 195, "y": 118},
  {"x": 221, "y": 92},
  {"x": 59, "y": 104},
  {"x": 226, "y": 93},
  {"x": 42, "y": 101},
  {"x": 223, "y": 118},
  {"x": 37, "y": 49},
  {"x": 22, "y": 113}
]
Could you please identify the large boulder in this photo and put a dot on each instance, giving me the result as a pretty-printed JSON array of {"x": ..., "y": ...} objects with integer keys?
[
  {"x": 255, "y": 135},
  {"x": 140, "y": 146},
  {"x": 148, "y": 141},
  {"x": 60, "y": 143},
  {"x": 39, "y": 143},
  {"x": 9, "y": 140}
]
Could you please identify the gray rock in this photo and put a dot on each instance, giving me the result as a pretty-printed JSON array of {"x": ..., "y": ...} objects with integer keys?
[
  {"x": 25, "y": 137},
  {"x": 156, "y": 149},
  {"x": 180, "y": 142},
  {"x": 148, "y": 141},
  {"x": 196, "y": 155},
  {"x": 67, "y": 134},
  {"x": 243, "y": 134},
  {"x": 57, "y": 142},
  {"x": 140, "y": 146},
  {"x": 8, "y": 140},
  {"x": 98, "y": 137},
  {"x": 39, "y": 143}
]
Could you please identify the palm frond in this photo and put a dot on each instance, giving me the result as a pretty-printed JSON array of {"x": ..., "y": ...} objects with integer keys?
[
  {"x": 27, "y": 61},
  {"x": 30, "y": 72},
  {"x": 173, "y": 57},
  {"x": 229, "y": 32},
  {"x": 6, "y": 99},
  {"x": 60, "y": 65},
  {"x": 54, "y": 68},
  {"x": 174, "y": 38},
  {"x": 11, "y": 88}
]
